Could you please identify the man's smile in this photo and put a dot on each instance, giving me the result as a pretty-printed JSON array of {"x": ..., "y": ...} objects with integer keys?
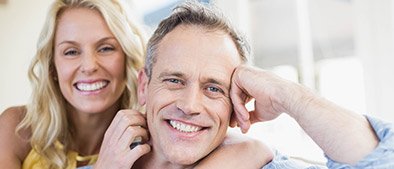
[{"x": 184, "y": 127}]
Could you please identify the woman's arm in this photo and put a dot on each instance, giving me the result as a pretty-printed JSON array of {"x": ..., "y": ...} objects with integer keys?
[
  {"x": 238, "y": 151},
  {"x": 13, "y": 148}
]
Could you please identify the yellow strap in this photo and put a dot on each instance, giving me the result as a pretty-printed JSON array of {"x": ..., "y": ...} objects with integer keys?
[{"x": 92, "y": 158}]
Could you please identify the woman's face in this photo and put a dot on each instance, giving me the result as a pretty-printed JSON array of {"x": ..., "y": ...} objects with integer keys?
[{"x": 89, "y": 61}]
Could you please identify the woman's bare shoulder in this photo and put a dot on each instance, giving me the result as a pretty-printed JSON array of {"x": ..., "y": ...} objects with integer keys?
[
  {"x": 14, "y": 147},
  {"x": 12, "y": 116}
]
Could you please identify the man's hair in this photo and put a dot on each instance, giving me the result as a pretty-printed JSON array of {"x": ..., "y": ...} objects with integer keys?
[{"x": 197, "y": 14}]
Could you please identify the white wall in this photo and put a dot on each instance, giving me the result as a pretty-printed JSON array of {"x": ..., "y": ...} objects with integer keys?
[
  {"x": 371, "y": 69},
  {"x": 20, "y": 24},
  {"x": 375, "y": 46}
]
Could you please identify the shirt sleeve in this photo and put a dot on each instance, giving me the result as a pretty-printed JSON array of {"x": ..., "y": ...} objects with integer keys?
[
  {"x": 382, "y": 156},
  {"x": 86, "y": 167},
  {"x": 284, "y": 162}
]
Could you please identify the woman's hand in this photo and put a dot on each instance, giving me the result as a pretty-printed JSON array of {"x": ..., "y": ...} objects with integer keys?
[
  {"x": 238, "y": 151},
  {"x": 116, "y": 150}
]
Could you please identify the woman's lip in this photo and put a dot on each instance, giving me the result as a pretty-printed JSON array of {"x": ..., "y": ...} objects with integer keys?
[
  {"x": 89, "y": 81},
  {"x": 92, "y": 86}
]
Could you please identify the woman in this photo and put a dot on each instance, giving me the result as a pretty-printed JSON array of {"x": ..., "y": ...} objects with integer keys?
[{"x": 83, "y": 74}]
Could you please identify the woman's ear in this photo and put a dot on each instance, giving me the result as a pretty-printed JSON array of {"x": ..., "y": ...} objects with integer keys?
[{"x": 142, "y": 87}]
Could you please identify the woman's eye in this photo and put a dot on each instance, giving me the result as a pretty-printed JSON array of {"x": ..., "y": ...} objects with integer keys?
[
  {"x": 71, "y": 52},
  {"x": 106, "y": 49}
]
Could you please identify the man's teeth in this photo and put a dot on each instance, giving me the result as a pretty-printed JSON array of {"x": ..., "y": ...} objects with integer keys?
[
  {"x": 91, "y": 86},
  {"x": 184, "y": 127}
]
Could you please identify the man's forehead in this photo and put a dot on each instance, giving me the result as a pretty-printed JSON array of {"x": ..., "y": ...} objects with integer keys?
[
  {"x": 192, "y": 50},
  {"x": 194, "y": 36}
]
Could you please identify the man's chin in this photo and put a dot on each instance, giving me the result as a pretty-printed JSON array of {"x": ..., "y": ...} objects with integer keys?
[{"x": 184, "y": 159}]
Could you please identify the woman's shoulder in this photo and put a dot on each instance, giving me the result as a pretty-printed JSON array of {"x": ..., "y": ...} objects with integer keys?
[
  {"x": 12, "y": 116},
  {"x": 12, "y": 144},
  {"x": 20, "y": 110}
]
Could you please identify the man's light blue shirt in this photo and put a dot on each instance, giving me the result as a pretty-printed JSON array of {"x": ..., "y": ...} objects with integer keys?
[{"x": 381, "y": 158}]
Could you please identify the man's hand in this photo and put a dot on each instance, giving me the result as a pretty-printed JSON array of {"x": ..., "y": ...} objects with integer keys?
[
  {"x": 334, "y": 128},
  {"x": 267, "y": 89},
  {"x": 115, "y": 151}
]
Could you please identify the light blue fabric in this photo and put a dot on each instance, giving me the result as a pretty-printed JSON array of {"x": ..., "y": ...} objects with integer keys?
[
  {"x": 86, "y": 167},
  {"x": 381, "y": 158}
]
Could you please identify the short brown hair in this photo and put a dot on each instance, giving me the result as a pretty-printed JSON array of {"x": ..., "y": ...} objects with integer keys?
[{"x": 194, "y": 13}]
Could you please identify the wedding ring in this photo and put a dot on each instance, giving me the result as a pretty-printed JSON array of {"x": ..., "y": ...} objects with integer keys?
[{"x": 137, "y": 141}]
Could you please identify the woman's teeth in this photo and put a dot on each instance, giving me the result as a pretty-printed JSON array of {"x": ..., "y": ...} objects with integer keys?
[{"x": 91, "y": 86}]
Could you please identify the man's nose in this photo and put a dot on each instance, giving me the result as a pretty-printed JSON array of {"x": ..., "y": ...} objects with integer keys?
[
  {"x": 89, "y": 62},
  {"x": 191, "y": 100}
]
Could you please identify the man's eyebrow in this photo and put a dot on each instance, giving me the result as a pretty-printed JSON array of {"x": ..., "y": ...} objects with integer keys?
[
  {"x": 214, "y": 81},
  {"x": 170, "y": 73},
  {"x": 218, "y": 82}
]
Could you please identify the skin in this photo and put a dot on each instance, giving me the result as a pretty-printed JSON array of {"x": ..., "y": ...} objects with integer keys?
[
  {"x": 190, "y": 85},
  {"x": 87, "y": 54},
  {"x": 344, "y": 136},
  {"x": 14, "y": 149}
]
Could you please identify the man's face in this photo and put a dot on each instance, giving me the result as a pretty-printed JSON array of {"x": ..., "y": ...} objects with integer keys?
[{"x": 187, "y": 99}]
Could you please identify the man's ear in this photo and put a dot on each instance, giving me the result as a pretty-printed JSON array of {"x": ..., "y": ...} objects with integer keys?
[{"x": 142, "y": 89}]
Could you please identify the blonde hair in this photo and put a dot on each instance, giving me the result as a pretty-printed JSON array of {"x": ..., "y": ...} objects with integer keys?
[{"x": 46, "y": 113}]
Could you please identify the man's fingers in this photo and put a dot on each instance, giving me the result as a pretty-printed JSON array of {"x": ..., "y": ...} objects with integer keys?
[
  {"x": 244, "y": 125},
  {"x": 239, "y": 104},
  {"x": 233, "y": 120}
]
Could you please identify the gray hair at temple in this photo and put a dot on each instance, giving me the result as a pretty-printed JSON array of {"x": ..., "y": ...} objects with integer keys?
[{"x": 195, "y": 13}]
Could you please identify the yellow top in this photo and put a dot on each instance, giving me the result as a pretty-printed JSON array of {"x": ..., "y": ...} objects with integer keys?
[{"x": 34, "y": 160}]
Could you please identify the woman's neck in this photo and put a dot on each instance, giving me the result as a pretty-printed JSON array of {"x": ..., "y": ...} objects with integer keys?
[{"x": 88, "y": 129}]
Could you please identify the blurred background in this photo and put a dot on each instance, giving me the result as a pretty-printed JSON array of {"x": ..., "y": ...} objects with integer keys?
[{"x": 342, "y": 49}]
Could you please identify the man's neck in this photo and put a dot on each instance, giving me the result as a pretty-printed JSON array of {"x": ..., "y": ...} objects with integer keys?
[{"x": 153, "y": 161}]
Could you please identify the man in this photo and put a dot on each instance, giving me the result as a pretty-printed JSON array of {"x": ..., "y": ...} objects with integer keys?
[
  {"x": 187, "y": 108},
  {"x": 186, "y": 86},
  {"x": 189, "y": 97}
]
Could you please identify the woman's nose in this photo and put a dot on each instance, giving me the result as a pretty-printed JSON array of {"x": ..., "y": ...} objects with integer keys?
[{"x": 89, "y": 63}]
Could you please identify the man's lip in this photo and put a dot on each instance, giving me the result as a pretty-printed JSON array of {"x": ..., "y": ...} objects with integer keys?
[
  {"x": 188, "y": 122},
  {"x": 186, "y": 136}
]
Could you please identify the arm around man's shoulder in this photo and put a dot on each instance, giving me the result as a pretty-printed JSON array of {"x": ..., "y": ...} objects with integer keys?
[{"x": 14, "y": 147}]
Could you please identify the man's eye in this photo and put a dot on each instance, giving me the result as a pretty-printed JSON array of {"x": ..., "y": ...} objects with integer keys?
[
  {"x": 173, "y": 84},
  {"x": 173, "y": 80},
  {"x": 215, "y": 89}
]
